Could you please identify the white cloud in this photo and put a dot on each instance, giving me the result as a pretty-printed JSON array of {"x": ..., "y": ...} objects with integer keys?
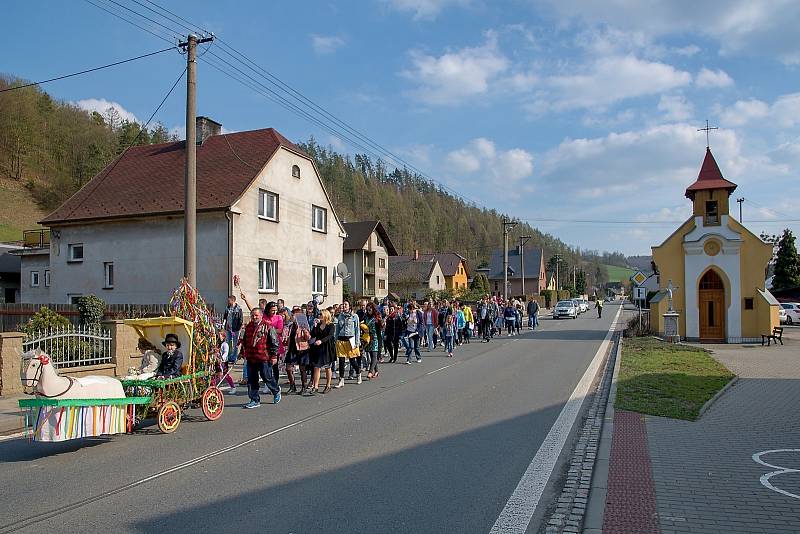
[
  {"x": 101, "y": 106},
  {"x": 687, "y": 51},
  {"x": 675, "y": 108},
  {"x": 426, "y": 9},
  {"x": 457, "y": 75},
  {"x": 609, "y": 80},
  {"x": 739, "y": 26},
  {"x": 326, "y": 44},
  {"x": 482, "y": 156},
  {"x": 785, "y": 112},
  {"x": 707, "y": 78}
]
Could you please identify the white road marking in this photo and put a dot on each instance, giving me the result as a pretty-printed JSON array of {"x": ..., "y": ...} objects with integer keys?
[
  {"x": 780, "y": 471},
  {"x": 519, "y": 510},
  {"x": 440, "y": 369}
]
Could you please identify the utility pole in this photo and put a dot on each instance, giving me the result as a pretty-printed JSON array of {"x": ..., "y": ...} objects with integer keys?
[
  {"x": 522, "y": 240},
  {"x": 190, "y": 176},
  {"x": 507, "y": 227},
  {"x": 558, "y": 261},
  {"x": 740, "y": 201}
]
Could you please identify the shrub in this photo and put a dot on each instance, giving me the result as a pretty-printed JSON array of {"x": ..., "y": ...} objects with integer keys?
[
  {"x": 634, "y": 330},
  {"x": 43, "y": 320},
  {"x": 91, "y": 308}
]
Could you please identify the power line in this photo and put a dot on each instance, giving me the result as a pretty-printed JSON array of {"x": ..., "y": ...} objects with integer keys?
[
  {"x": 87, "y": 70},
  {"x": 110, "y": 12}
]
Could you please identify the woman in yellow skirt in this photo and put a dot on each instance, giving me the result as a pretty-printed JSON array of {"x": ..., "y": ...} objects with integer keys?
[{"x": 347, "y": 342}]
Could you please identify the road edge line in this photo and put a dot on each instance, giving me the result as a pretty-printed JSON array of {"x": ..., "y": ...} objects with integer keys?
[{"x": 521, "y": 506}]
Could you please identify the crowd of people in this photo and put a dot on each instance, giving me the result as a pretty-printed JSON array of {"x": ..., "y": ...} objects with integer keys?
[{"x": 341, "y": 343}]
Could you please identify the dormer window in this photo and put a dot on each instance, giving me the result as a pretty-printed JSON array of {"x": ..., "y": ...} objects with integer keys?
[
  {"x": 295, "y": 171},
  {"x": 712, "y": 213}
]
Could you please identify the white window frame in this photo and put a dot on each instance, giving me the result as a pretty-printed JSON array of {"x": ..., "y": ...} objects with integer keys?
[
  {"x": 314, "y": 211},
  {"x": 381, "y": 263},
  {"x": 108, "y": 269},
  {"x": 34, "y": 278},
  {"x": 73, "y": 297},
  {"x": 319, "y": 273},
  {"x": 381, "y": 284},
  {"x": 262, "y": 282},
  {"x": 47, "y": 278},
  {"x": 263, "y": 195},
  {"x": 298, "y": 171},
  {"x": 71, "y": 253}
]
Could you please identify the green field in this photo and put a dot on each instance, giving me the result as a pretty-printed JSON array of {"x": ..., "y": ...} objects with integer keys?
[
  {"x": 18, "y": 211},
  {"x": 618, "y": 274}
]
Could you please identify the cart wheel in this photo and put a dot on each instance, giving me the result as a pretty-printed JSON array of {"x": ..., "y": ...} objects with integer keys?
[
  {"x": 213, "y": 403},
  {"x": 169, "y": 417}
]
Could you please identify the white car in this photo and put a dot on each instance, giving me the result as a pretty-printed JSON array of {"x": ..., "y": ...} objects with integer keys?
[
  {"x": 584, "y": 305},
  {"x": 791, "y": 313},
  {"x": 565, "y": 308},
  {"x": 578, "y": 305},
  {"x": 783, "y": 316}
]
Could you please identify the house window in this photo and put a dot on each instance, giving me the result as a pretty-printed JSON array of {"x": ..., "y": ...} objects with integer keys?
[
  {"x": 267, "y": 205},
  {"x": 318, "y": 280},
  {"x": 381, "y": 284},
  {"x": 75, "y": 252},
  {"x": 712, "y": 212},
  {"x": 319, "y": 219},
  {"x": 72, "y": 298},
  {"x": 748, "y": 303},
  {"x": 47, "y": 278},
  {"x": 295, "y": 171},
  {"x": 34, "y": 278},
  {"x": 437, "y": 278},
  {"x": 108, "y": 275},
  {"x": 267, "y": 276},
  {"x": 382, "y": 263}
]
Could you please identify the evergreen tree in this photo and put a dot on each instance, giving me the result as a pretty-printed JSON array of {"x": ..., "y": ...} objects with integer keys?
[{"x": 787, "y": 263}]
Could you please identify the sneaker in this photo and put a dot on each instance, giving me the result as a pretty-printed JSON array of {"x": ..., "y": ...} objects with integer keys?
[
  {"x": 359, "y": 378},
  {"x": 419, "y": 360},
  {"x": 408, "y": 362},
  {"x": 277, "y": 398},
  {"x": 232, "y": 390},
  {"x": 252, "y": 404}
]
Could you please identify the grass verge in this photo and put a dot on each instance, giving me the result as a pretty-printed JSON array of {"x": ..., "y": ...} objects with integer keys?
[{"x": 668, "y": 380}]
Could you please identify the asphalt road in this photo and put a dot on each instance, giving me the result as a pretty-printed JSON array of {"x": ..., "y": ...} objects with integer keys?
[{"x": 431, "y": 447}]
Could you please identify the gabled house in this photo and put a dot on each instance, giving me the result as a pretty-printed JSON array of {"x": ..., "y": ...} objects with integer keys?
[
  {"x": 262, "y": 213},
  {"x": 532, "y": 264},
  {"x": 367, "y": 248},
  {"x": 412, "y": 277},
  {"x": 455, "y": 269}
]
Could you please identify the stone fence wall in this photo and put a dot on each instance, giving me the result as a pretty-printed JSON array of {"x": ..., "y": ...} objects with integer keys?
[{"x": 123, "y": 349}]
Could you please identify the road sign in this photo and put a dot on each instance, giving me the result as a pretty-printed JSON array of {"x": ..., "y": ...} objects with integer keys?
[
  {"x": 638, "y": 278},
  {"x": 639, "y": 293}
]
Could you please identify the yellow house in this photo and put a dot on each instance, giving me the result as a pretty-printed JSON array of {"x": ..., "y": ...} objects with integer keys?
[{"x": 717, "y": 269}]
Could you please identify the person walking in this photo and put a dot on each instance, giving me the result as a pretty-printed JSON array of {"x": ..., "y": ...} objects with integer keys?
[
  {"x": 393, "y": 329},
  {"x": 431, "y": 321},
  {"x": 374, "y": 324},
  {"x": 415, "y": 325},
  {"x": 460, "y": 321},
  {"x": 485, "y": 318},
  {"x": 299, "y": 333},
  {"x": 322, "y": 351},
  {"x": 469, "y": 321},
  {"x": 224, "y": 363},
  {"x": 598, "y": 303},
  {"x": 533, "y": 313},
  {"x": 232, "y": 321},
  {"x": 449, "y": 335},
  {"x": 347, "y": 342},
  {"x": 510, "y": 316},
  {"x": 259, "y": 345}
]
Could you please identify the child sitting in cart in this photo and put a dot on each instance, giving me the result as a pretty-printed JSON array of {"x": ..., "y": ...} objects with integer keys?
[
  {"x": 171, "y": 359},
  {"x": 151, "y": 359}
]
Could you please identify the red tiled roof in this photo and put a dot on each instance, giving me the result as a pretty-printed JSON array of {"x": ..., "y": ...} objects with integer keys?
[
  {"x": 148, "y": 180},
  {"x": 710, "y": 177}
]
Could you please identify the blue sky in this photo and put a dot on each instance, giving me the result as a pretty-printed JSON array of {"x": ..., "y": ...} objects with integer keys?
[{"x": 541, "y": 109}]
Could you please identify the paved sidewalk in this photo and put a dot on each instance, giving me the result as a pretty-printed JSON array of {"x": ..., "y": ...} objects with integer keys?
[
  {"x": 10, "y": 420},
  {"x": 706, "y": 479}
]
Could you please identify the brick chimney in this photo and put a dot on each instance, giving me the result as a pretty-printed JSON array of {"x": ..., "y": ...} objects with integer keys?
[{"x": 206, "y": 128}]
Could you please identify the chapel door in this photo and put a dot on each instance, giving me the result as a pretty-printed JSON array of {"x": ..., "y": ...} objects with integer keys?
[{"x": 712, "y": 307}]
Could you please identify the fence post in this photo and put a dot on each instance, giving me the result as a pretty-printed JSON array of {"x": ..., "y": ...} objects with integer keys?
[
  {"x": 10, "y": 362},
  {"x": 124, "y": 343}
]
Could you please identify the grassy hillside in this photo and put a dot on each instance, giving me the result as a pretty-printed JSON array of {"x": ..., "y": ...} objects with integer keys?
[
  {"x": 618, "y": 274},
  {"x": 18, "y": 210}
]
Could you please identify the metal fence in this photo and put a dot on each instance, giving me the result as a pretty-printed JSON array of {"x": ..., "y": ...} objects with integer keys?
[
  {"x": 14, "y": 316},
  {"x": 73, "y": 346}
]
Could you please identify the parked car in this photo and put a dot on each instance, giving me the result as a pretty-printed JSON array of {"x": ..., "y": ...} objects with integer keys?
[
  {"x": 578, "y": 305},
  {"x": 584, "y": 305},
  {"x": 792, "y": 310},
  {"x": 782, "y": 315},
  {"x": 565, "y": 308}
]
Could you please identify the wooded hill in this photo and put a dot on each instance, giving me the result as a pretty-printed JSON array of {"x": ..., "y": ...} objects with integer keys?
[{"x": 54, "y": 148}]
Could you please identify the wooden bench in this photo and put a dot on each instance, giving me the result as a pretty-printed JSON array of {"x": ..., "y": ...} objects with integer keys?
[{"x": 776, "y": 335}]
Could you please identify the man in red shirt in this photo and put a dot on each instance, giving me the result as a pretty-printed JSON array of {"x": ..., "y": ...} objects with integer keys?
[{"x": 259, "y": 345}]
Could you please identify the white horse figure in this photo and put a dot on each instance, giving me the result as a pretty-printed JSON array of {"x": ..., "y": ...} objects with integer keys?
[{"x": 38, "y": 372}]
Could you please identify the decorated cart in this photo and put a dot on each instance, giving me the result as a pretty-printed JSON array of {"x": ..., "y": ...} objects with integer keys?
[{"x": 69, "y": 408}]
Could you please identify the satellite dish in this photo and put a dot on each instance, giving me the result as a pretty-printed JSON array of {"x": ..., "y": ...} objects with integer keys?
[{"x": 341, "y": 272}]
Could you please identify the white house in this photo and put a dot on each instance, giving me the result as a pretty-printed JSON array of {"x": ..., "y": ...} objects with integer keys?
[
  {"x": 366, "y": 253},
  {"x": 262, "y": 213}
]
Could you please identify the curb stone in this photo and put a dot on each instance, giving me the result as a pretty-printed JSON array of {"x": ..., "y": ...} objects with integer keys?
[{"x": 717, "y": 395}]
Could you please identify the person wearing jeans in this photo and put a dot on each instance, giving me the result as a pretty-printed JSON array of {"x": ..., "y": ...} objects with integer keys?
[
  {"x": 414, "y": 325},
  {"x": 431, "y": 319},
  {"x": 259, "y": 344}
]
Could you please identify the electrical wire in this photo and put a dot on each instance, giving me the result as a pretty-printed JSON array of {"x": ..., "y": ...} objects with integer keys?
[
  {"x": 110, "y": 12},
  {"x": 87, "y": 70}
]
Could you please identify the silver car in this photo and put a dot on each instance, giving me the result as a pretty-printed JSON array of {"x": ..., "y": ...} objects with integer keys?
[{"x": 565, "y": 309}]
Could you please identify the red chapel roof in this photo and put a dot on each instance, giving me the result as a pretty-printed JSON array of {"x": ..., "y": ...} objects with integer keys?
[{"x": 710, "y": 177}]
